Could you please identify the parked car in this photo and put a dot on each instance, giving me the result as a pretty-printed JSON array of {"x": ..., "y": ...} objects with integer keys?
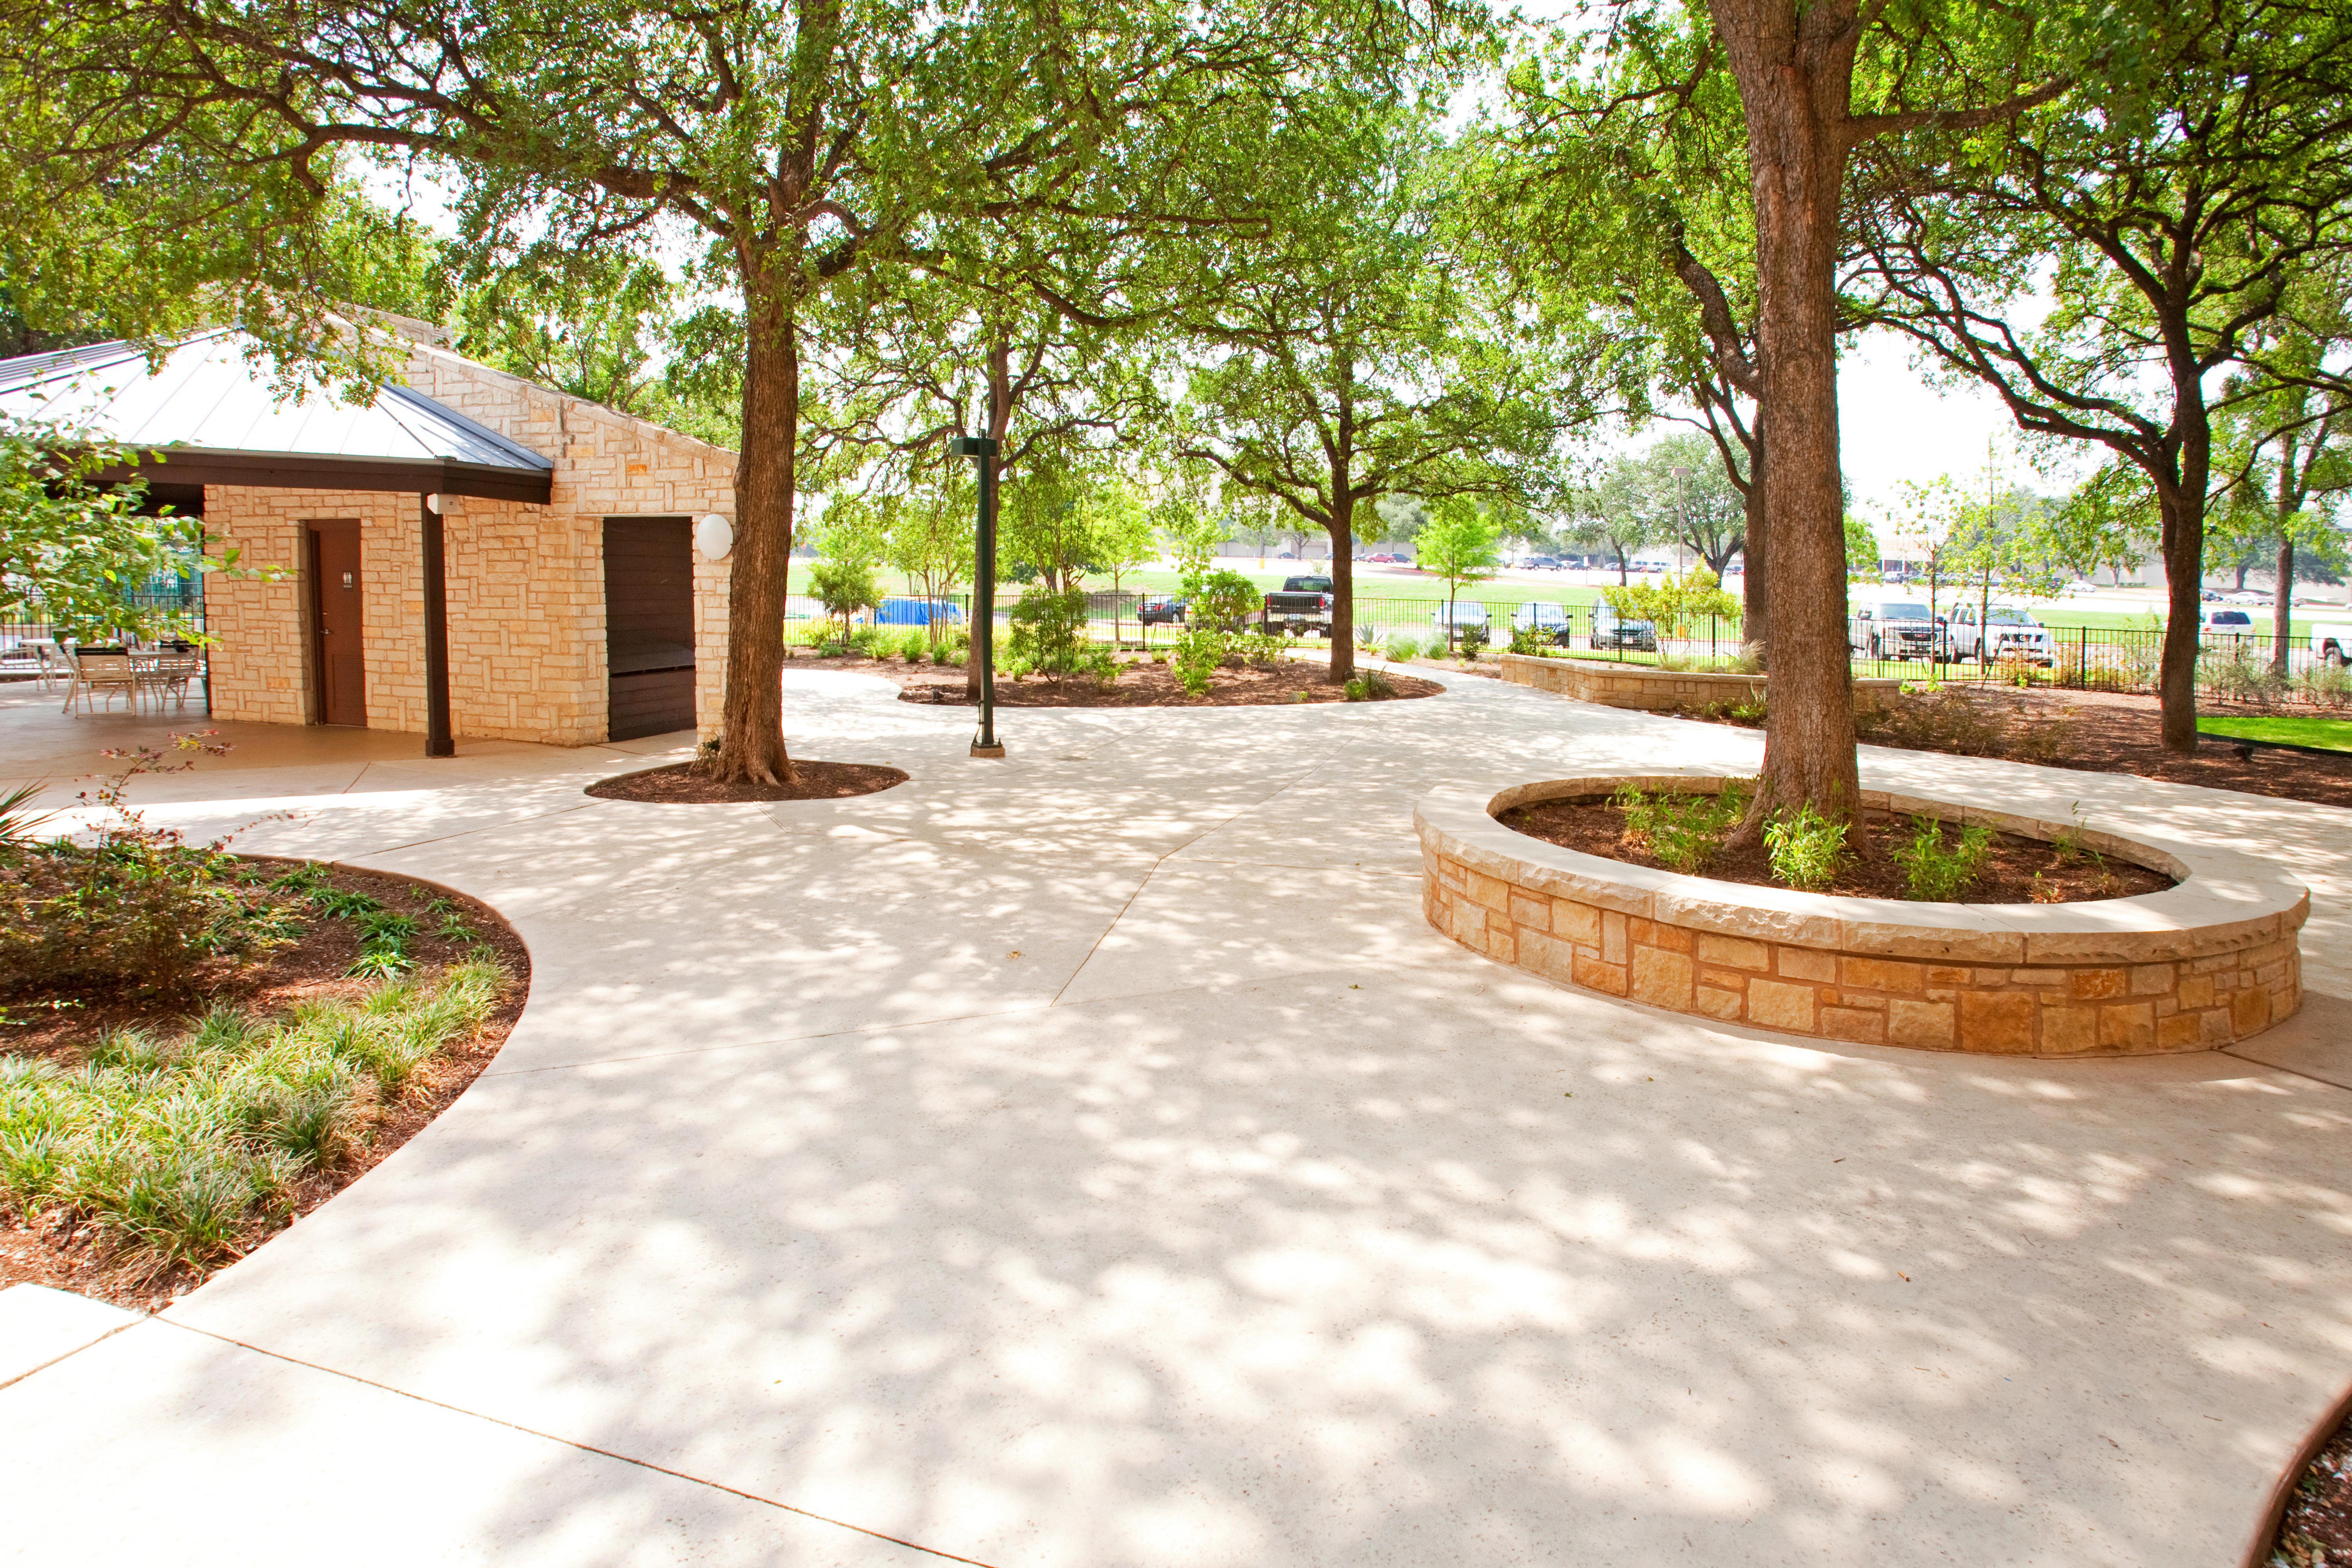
[
  {"x": 906, "y": 612},
  {"x": 2247, "y": 596},
  {"x": 1544, "y": 562},
  {"x": 1467, "y": 613},
  {"x": 2331, "y": 642},
  {"x": 2079, "y": 590},
  {"x": 2215, "y": 624},
  {"x": 1164, "y": 609},
  {"x": 2211, "y": 597},
  {"x": 1303, "y": 605},
  {"x": 1610, "y": 629},
  {"x": 2007, "y": 632},
  {"x": 1884, "y": 628},
  {"x": 1544, "y": 620}
]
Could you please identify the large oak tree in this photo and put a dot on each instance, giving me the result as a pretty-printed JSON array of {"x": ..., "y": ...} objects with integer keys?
[{"x": 794, "y": 141}]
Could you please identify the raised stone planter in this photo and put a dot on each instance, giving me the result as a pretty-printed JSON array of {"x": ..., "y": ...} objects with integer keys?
[
  {"x": 2201, "y": 965},
  {"x": 1656, "y": 691}
]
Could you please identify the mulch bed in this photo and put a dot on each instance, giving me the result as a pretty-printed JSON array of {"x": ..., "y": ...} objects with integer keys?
[
  {"x": 1592, "y": 826},
  {"x": 1139, "y": 685},
  {"x": 685, "y": 784},
  {"x": 2112, "y": 732},
  {"x": 2317, "y": 1529},
  {"x": 310, "y": 969}
]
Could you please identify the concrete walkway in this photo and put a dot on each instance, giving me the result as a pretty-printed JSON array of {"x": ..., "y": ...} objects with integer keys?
[{"x": 1093, "y": 1159}]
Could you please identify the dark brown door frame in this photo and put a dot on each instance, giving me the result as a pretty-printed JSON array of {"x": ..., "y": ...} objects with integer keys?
[{"x": 315, "y": 576}]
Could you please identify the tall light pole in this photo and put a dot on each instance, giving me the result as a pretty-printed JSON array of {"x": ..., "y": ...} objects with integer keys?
[
  {"x": 1682, "y": 510},
  {"x": 983, "y": 598}
]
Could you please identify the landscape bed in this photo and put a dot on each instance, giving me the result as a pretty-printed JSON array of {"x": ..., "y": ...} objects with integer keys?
[
  {"x": 692, "y": 784},
  {"x": 2018, "y": 870},
  {"x": 2205, "y": 962},
  {"x": 1138, "y": 684},
  {"x": 322, "y": 1060}
]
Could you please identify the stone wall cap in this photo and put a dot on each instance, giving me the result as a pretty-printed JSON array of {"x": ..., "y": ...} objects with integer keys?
[{"x": 2225, "y": 900}]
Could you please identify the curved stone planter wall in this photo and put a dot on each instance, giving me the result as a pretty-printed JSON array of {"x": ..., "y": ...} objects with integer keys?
[
  {"x": 1656, "y": 691},
  {"x": 2209, "y": 962}
]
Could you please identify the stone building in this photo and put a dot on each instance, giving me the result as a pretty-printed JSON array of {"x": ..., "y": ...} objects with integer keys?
[{"x": 465, "y": 554}]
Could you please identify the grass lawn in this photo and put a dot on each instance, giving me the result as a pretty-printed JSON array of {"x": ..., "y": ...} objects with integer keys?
[{"x": 2322, "y": 734}]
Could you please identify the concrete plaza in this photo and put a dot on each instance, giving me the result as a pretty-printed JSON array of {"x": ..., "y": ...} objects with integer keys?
[{"x": 1093, "y": 1158}]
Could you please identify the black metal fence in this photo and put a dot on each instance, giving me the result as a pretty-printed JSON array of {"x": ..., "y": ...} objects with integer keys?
[
  {"x": 187, "y": 608},
  {"x": 2234, "y": 665}
]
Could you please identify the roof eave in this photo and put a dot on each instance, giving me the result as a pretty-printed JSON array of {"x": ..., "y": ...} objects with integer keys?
[{"x": 308, "y": 471}]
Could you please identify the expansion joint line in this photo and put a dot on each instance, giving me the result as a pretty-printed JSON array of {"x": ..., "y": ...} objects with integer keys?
[
  {"x": 575, "y": 1443},
  {"x": 1277, "y": 793}
]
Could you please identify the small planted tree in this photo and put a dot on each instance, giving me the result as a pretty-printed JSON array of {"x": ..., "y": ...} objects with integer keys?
[{"x": 1459, "y": 546}]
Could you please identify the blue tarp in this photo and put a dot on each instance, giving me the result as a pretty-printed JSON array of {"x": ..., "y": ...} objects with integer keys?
[{"x": 917, "y": 613}]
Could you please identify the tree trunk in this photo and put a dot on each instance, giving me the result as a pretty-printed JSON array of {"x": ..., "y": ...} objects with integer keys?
[
  {"x": 2181, "y": 513},
  {"x": 2282, "y": 597},
  {"x": 751, "y": 737},
  {"x": 1794, "y": 70},
  {"x": 2176, "y": 686},
  {"x": 1755, "y": 592},
  {"x": 2283, "y": 607},
  {"x": 1343, "y": 575}
]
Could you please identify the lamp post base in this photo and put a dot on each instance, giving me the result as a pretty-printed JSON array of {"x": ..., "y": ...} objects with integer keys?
[{"x": 980, "y": 750}]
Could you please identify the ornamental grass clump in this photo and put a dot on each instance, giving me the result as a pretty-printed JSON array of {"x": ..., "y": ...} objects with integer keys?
[
  {"x": 1805, "y": 848},
  {"x": 179, "y": 1149},
  {"x": 1938, "y": 873},
  {"x": 1682, "y": 830}
]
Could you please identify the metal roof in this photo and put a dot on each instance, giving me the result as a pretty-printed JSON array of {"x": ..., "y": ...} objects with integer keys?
[{"x": 212, "y": 410}]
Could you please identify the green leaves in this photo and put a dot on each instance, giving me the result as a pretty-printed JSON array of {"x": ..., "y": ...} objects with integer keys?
[{"x": 78, "y": 554}]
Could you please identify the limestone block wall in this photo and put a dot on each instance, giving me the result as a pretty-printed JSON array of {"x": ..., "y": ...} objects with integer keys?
[
  {"x": 606, "y": 465},
  {"x": 2212, "y": 962},
  {"x": 526, "y": 613},
  {"x": 1656, "y": 691},
  {"x": 260, "y": 658},
  {"x": 526, "y": 586}
]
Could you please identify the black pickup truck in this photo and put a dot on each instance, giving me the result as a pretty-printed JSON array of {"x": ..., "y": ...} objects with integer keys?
[{"x": 1303, "y": 605}]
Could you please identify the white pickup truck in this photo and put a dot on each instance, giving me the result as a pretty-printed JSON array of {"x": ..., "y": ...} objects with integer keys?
[
  {"x": 2331, "y": 642},
  {"x": 2007, "y": 632}
]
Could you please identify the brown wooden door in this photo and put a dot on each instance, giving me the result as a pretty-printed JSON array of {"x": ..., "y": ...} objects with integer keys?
[
  {"x": 338, "y": 651},
  {"x": 648, "y": 625}
]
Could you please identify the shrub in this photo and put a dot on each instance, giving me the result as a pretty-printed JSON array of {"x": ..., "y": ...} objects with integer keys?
[
  {"x": 177, "y": 1148},
  {"x": 1805, "y": 847},
  {"x": 1968, "y": 723},
  {"x": 1197, "y": 655},
  {"x": 1260, "y": 648},
  {"x": 2324, "y": 685},
  {"x": 138, "y": 911},
  {"x": 1472, "y": 640},
  {"x": 1937, "y": 874},
  {"x": 1531, "y": 640},
  {"x": 1744, "y": 662},
  {"x": 1049, "y": 631},
  {"x": 2235, "y": 672},
  {"x": 1224, "y": 601},
  {"x": 1682, "y": 830}
]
